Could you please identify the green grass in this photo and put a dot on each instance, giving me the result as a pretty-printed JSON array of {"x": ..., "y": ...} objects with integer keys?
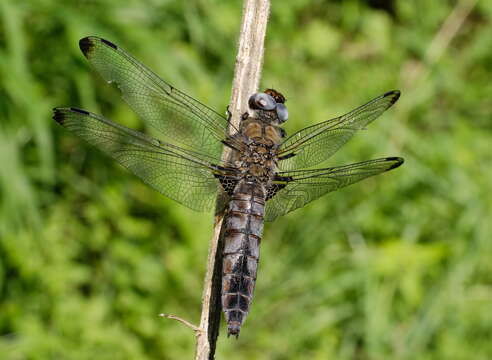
[{"x": 396, "y": 267}]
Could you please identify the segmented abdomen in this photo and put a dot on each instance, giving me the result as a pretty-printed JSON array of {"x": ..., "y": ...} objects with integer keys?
[{"x": 243, "y": 230}]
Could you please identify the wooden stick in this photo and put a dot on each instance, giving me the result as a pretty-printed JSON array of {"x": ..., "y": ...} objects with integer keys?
[{"x": 249, "y": 61}]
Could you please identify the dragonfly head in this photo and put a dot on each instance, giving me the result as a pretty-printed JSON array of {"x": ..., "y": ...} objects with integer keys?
[
  {"x": 271, "y": 104},
  {"x": 262, "y": 101}
]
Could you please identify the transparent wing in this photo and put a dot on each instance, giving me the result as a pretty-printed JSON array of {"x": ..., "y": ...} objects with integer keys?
[
  {"x": 177, "y": 173},
  {"x": 316, "y": 143},
  {"x": 294, "y": 189},
  {"x": 180, "y": 119}
]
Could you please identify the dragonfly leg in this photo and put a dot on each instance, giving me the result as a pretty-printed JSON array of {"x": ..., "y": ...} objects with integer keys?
[
  {"x": 245, "y": 116},
  {"x": 228, "y": 113}
]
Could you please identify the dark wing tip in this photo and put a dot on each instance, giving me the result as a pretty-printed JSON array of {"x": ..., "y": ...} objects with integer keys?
[
  {"x": 61, "y": 114},
  {"x": 398, "y": 161},
  {"x": 58, "y": 115},
  {"x": 86, "y": 45},
  {"x": 394, "y": 94}
]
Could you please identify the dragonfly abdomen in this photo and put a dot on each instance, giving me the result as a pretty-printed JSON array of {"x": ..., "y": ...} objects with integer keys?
[{"x": 243, "y": 230}]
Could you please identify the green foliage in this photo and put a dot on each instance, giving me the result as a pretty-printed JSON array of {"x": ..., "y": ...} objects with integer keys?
[{"x": 397, "y": 267}]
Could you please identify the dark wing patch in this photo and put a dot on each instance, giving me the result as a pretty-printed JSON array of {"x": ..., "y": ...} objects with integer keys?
[
  {"x": 273, "y": 189},
  {"x": 228, "y": 183}
]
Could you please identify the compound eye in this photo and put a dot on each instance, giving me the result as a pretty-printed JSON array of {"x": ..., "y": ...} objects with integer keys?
[
  {"x": 261, "y": 101},
  {"x": 282, "y": 113}
]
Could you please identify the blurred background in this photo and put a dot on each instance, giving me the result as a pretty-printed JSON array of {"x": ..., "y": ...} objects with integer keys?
[{"x": 396, "y": 267}]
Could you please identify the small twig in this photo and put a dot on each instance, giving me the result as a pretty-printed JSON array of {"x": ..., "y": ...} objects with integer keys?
[
  {"x": 247, "y": 72},
  {"x": 195, "y": 328}
]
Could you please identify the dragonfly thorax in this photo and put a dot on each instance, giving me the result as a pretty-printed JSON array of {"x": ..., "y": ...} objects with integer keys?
[
  {"x": 267, "y": 116},
  {"x": 258, "y": 161}
]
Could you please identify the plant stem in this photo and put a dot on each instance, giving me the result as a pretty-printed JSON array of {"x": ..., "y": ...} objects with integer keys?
[{"x": 249, "y": 61}]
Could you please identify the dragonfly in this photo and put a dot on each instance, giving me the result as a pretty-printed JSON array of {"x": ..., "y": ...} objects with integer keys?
[{"x": 267, "y": 175}]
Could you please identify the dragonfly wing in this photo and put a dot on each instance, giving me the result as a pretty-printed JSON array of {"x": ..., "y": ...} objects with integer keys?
[
  {"x": 177, "y": 173},
  {"x": 294, "y": 189},
  {"x": 179, "y": 118},
  {"x": 316, "y": 143}
]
